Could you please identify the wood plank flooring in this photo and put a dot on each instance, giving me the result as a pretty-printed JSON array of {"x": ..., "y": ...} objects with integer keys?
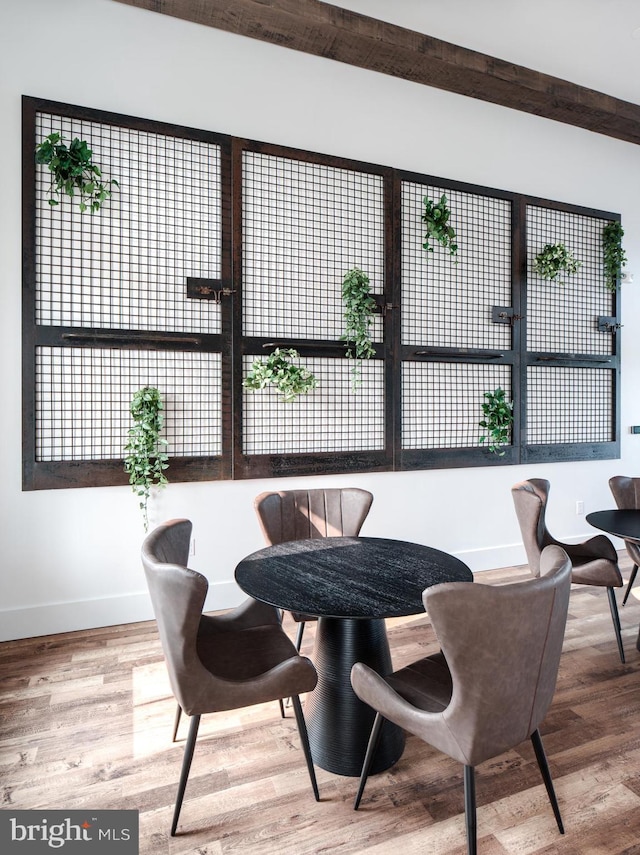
[{"x": 86, "y": 719}]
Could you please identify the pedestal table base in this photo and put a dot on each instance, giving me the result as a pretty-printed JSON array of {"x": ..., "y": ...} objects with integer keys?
[{"x": 339, "y": 723}]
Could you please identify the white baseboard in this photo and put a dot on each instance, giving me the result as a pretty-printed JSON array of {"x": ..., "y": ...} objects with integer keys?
[
  {"x": 513, "y": 554},
  {"x": 54, "y": 618},
  {"x": 493, "y": 557},
  {"x": 91, "y": 614}
]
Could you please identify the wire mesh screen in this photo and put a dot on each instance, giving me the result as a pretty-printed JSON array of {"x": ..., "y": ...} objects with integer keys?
[
  {"x": 562, "y": 314},
  {"x": 449, "y": 304},
  {"x": 329, "y": 418},
  {"x": 83, "y": 397},
  {"x": 567, "y": 404},
  {"x": 304, "y": 226},
  {"x": 125, "y": 266},
  {"x": 442, "y": 401}
]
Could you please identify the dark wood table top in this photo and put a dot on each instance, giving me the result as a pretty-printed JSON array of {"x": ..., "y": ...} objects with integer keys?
[
  {"x": 348, "y": 577},
  {"x": 619, "y": 523}
]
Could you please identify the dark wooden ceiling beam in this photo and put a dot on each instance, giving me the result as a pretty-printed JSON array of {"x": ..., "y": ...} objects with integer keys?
[{"x": 328, "y": 31}]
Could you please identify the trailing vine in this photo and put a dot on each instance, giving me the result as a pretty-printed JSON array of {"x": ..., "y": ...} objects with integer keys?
[
  {"x": 359, "y": 306},
  {"x": 145, "y": 459},
  {"x": 613, "y": 253},
  {"x": 73, "y": 170},
  {"x": 553, "y": 259},
  {"x": 279, "y": 371},
  {"x": 497, "y": 421},
  {"x": 436, "y": 216}
]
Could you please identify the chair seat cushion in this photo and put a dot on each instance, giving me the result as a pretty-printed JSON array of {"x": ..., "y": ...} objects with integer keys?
[
  {"x": 425, "y": 684},
  {"x": 599, "y": 571},
  {"x": 253, "y": 652}
]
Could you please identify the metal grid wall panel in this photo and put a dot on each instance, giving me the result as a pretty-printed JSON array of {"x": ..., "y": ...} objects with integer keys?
[
  {"x": 441, "y": 402},
  {"x": 569, "y": 405},
  {"x": 448, "y": 304},
  {"x": 83, "y": 397},
  {"x": 331, "y": 418},
  {"x": 304, "y": 225},
  {"x": 214, "y": 250},
  {"x": 126, "y": 265},
  {"x": 562, "y": 314}
]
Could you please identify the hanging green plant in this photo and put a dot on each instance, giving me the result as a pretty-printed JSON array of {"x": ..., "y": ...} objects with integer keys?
[
  {"x": 73, "y": 170},
  {"x": 145, "y": 459},
  {"x": 553, "y": 259},
  {"x": 613, "y": 254},
  {"x": 359, "y": 307},
  {"x": 436, "y": 216},
  {"x": 278, "y": 370},
  {"x": 497, "y": 422}
]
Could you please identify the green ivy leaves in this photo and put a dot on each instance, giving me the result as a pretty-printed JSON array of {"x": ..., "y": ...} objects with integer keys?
[
  {"x": 553, "y": 259},
  {"x": 497, "y": 421},
  {"x": 359, "y": 306},
  {"x": 278, "y": 370},
  {"x": 145, "y": 460},
  {"x": 72, "y": 170},
  {"x": 613, "y": 253},
  {"x": 436, "y": 217}
]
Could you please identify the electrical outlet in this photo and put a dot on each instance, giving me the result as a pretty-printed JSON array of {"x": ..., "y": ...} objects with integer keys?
[{"x": 579, "y": 507}]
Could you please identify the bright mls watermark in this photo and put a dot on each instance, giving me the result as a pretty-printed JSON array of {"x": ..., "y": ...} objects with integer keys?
[{"x": 34, "y": 832}]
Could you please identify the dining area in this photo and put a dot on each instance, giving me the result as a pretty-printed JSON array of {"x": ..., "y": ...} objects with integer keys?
[
  {"x": 99, "y": 720},
  {"x": 484, "y": 690}
]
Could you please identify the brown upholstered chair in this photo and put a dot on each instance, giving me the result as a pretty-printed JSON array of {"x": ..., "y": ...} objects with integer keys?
[
  {"x": 490, "y": 686},
  {"x": 626, "y": 492},
  {"x": 594, "y": 562},
  {"x": 221, "y": 662},
  {"x": 301, "y": 514}
]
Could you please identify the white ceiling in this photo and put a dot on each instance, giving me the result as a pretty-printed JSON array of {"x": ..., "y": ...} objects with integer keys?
[{"x": 595, "y": 43}]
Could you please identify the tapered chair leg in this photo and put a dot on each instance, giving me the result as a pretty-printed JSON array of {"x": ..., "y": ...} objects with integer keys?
[
  {"x": 616, "y": 620},
  {"x": 186, "y": 766},
  {"x": 372, "y": 745},
  {"x": 632, "y": 579},
  {"x": 176, "y": 722},
  {"x": 470, "y": 809},
  {"x": 304, "y": 739},
  {"x": 541, "y": 757},
  {"x": 281, "y": 708},
  {"x": 299, "y": 635}
]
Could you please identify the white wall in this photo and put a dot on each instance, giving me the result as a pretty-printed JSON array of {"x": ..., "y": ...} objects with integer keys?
[{"x": 70, "y": 558}]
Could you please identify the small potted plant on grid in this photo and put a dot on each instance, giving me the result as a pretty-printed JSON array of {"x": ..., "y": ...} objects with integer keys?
[
  {"x": 554, "y": 259},
  {"x": 280, "y": 371},
  {"x": 497, "y": 422},
  {"x": 145, "y": 456},
  {"x": 73, "y": 170},
  {"x": 436, "y": 217}
]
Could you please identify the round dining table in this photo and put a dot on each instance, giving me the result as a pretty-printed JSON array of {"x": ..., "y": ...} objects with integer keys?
[
  {"x": 351, "y": 584},
  {"x": 621, "y": 522}
]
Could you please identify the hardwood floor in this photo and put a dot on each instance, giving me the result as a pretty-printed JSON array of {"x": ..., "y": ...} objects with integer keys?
[{"x": 86, "y": 719}]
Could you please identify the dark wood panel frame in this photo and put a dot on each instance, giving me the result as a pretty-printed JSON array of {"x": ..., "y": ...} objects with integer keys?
[
  {"x": 565, "y": 452},
  {"x": 326, "y": 30},
  {"x": 276, "y": 465},
  {"x": 37, "y": 475},
  {"x": 457, "y": 457}
]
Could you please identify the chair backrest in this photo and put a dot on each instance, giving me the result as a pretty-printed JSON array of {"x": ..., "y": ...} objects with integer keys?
[
  {"x": 502, "y": 645},
  {"x": 530, "y": 499},
  {"x": 626, "y": 492},
  {"x": 300, "y": 514},
  {"x": 177, "y": 596}
]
